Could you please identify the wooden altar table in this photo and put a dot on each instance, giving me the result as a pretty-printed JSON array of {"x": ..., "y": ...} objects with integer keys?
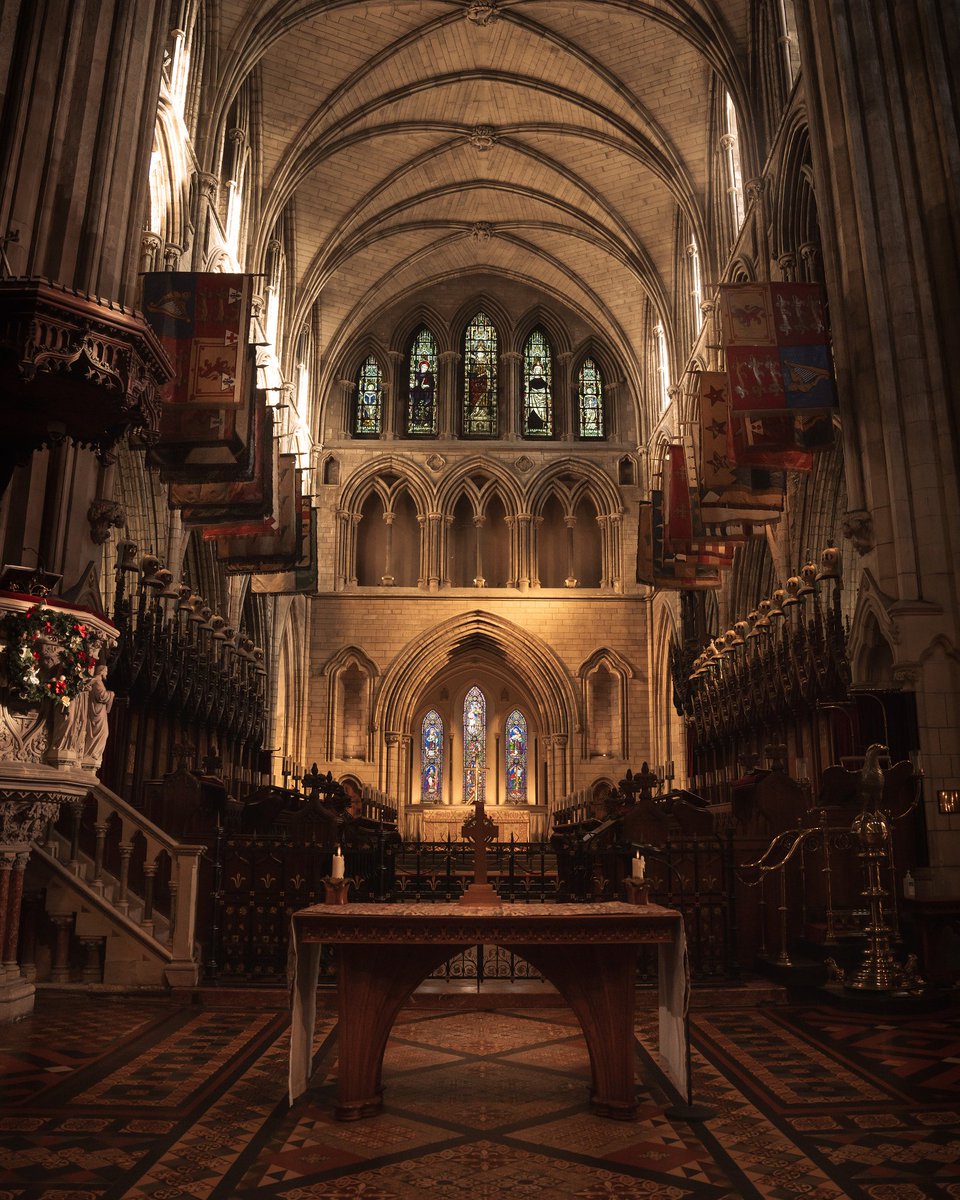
[{"x": 587, "y": 951}]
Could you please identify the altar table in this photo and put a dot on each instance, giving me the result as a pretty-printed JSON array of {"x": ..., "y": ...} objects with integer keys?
[{"x": 587, "y": 951}]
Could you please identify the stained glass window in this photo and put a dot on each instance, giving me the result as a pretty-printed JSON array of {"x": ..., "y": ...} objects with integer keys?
[
  {"x": 422, "y": 402},
  {"x": 480, "y": 378},
  {"x": 431, "y": 758},
  {"x": 537, "y": 386},
  {"x": 590, "y": 400},
  {"x": 474, "y": 745},
  {"x": 369, "y": 416},
  {"x": 516, "y": 758}
]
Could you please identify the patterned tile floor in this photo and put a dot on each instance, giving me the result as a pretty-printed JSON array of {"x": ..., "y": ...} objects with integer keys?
[{"x": 110, "y": 1098}]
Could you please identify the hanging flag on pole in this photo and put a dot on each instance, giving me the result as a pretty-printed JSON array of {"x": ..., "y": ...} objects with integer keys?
[
  {"x": 203, "y": 323},
  {"x": 776, "y": 347}
]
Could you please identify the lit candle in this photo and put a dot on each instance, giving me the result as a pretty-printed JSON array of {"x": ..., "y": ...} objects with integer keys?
[
  {"x": 339, "y": 865},
  {"x": 636, "y": 867}
]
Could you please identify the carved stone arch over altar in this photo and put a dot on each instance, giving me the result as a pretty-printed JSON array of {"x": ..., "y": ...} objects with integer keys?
[
  {"x": 351, "y": 679},
  {"x": 515, "y": 667}
]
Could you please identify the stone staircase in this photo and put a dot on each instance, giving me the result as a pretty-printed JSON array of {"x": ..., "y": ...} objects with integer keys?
[{"x": 127, "y": 940}]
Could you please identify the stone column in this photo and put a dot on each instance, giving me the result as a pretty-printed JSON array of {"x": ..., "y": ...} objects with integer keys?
[
  {"x": 387, "y": 578},
  {"x": 78, "y": 202},
  {"x": 81, "y": 91},
  {"x": 478, "y": 579},
  {"x": 558, "y": 747},
  {"x": 389, "y": 774},
  {"x": 511, "y": 424},
  {"x": 535, "y": 523},
  {"x": 521, "y": 551},
  {"x": 433, "y": 560},
  {"x": 22, "y": 821},
  {"x": 879, "y": 82},
  {"x": 448, "y": 393},
  {"x": 395, "y": 417},
  {"x": 60, "y": 966},
  {"x": 571, "y": 579}
]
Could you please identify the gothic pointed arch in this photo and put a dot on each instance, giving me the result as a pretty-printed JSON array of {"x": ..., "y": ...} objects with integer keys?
[
  {"x": 351, "y": 680},
  {"x": 521, "y": 651},
  {"x": 481, "y": 477},
  {"x": 604, "y": 678}
]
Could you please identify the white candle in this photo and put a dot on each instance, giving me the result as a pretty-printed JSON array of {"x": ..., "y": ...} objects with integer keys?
[
  {"x": 636, "y": 869},
  {"x": 339, "y": 864}
]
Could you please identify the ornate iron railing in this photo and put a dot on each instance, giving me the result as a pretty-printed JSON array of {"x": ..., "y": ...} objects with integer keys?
[{"x": 253, "y": 884}]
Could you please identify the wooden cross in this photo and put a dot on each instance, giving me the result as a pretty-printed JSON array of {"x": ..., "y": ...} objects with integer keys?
[{"x": 482, "y": 832}]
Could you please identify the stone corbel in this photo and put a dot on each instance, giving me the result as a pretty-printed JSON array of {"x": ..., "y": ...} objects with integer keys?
[
  {"x": 103, "y": 516},
  {"x": 858, "y": 527}
]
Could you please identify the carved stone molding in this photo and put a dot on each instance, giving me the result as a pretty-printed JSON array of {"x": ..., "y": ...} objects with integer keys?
[
  {"x": 524, "y": 463},
  {"x": 482, "y": 231},
  {"x": 73, "y": 366},
  {"x": 436, "y": 462},
  {"x": 24, "y": 734}
]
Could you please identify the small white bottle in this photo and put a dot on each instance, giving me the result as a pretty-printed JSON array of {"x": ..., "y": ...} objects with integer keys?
[{"x": 909, "y": 886}]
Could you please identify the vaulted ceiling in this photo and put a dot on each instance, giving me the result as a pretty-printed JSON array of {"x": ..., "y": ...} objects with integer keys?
[{"x": 547, "y": 142}]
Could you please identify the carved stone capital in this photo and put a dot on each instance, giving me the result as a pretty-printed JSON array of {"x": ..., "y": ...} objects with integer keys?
[
  {"x": 209, "y": 186},
  {"x": 24, "y": 820}
]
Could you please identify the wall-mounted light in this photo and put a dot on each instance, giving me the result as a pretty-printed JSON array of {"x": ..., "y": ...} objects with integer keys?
[{"x": 948, "y": 800}]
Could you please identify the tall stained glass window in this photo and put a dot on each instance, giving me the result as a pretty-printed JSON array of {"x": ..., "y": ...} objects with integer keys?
[
  {"x": 516, "y": 758},
  {"x": 422, "y": 395},
  {"x": 474, "y": 745},
  {"x": 431, "y": 758},
  {"x": 368, "y": 420},
  {"x": 480, "y": 378},
  {"x": 537, "y": 386},
  {"x": 590, "y": 400}
]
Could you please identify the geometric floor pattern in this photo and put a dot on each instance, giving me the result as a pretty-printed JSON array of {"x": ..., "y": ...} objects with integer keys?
[{"x": 121, "y": 1098}]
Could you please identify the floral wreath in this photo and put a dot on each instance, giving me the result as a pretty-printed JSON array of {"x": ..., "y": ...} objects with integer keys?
[{"x": 78, "y": 645}]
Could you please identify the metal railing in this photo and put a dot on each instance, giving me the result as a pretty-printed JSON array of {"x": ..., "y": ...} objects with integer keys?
[{"x": 253, "y": 884}]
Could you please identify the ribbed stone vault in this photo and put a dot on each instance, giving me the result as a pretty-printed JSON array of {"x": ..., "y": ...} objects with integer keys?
[{"x": 577, "y": 132}]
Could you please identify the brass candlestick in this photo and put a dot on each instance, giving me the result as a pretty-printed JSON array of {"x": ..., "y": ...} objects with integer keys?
[
  {"x": 878, "y": 971},
  {"x": 335, "y": 890}
]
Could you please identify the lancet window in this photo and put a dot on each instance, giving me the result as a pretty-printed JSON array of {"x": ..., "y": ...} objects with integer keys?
[
  {"x": 422, "y": 394},
  {"x": 480, "y": 378},
  {"x": 537, "y": 386},
  {"x": 590, "y": 401},
  {"x": 474, "y": 745},
  {"x": 368, "y": 419},
  {"x": 731, "y": 148},
  {"x": 515, "y": 742},
  {"x": 431, "y": 758}
]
